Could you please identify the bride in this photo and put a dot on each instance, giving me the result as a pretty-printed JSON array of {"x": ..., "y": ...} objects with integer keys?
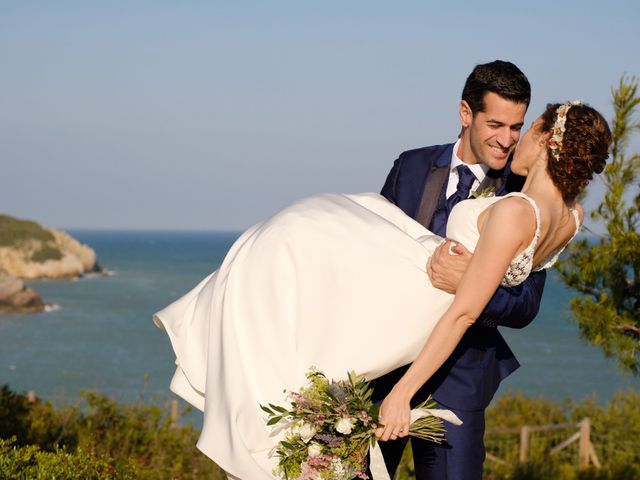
[{"x": 339, "y": 282}]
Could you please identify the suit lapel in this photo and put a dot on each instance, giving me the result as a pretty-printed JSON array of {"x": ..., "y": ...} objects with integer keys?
[
  {"x": 495, "y": 180},
  {"x": 491, "y": 181},
  {"x": 433, "y": 185}
]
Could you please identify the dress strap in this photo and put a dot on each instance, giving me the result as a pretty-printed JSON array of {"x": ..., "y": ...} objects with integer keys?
[
  {"x": 553, "y": 259},
  {"x": 536, "y": 209}
]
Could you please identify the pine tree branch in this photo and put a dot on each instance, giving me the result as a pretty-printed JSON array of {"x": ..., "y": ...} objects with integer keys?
[
  {"x": 585, "y": 227},
  {"x": 629, "y": 329},
  {"x": 614, "y": 264}
]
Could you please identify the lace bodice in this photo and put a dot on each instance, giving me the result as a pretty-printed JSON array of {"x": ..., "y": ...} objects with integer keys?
[{"x": 463, "y": 227}]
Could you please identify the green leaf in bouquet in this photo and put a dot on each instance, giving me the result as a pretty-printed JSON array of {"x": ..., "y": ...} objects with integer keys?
[
  {"x": 428, "y": 427},
  {"x": 287, "y": 445},
  {"x": 274, "y": 420},
  {"x": 428, "y": 403},
  {"x": 354, "y": 379},
  {"x": 278, "y": 408},
  {"x": 374, "y": 411}
]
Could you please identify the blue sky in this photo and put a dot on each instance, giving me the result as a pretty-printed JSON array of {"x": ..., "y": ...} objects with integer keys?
[{"x": 213, "y": 115}]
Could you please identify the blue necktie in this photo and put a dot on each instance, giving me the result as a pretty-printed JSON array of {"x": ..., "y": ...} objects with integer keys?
[
  {"x": 465, "y": 181},
  {"x": 438, "y": 224}
]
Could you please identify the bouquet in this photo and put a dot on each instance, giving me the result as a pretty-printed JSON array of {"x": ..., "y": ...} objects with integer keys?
[{"x": 330, "y": 426}]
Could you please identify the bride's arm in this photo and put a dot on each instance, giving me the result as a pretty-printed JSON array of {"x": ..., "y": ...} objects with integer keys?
[
  {"x": 508, "y": 229},
  {"x": 513, "y": 307}
]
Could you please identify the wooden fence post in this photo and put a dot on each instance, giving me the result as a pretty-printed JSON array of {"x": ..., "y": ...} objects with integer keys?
[
  {"x": 524, "y": 442},
  {"x": 586, "y": 451},
  {"x": 585, "y": 442},
  {"x": 174, "y": 413},
  {"x": 593, "y": 456}
]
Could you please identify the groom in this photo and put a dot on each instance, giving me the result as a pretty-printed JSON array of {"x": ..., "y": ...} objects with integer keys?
[{"x": 426, "y": 183}]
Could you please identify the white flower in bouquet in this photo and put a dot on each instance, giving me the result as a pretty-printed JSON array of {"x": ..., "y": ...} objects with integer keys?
[
  {"x": 341, "y": 419},
  {"x": 306, "y": 432},
  {"x": 338, "y": 469},
  {"x": 345, "y": 425},
  {"x": 314, "y": 450}
]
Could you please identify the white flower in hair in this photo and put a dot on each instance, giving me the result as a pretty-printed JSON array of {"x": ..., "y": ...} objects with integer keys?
[{"x": 558, "y": 129}]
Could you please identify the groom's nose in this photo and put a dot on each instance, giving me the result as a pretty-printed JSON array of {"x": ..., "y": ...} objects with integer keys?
[{"x": 506, "y": 137}]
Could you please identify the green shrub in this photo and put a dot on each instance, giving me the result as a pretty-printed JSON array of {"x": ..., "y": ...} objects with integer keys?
[
  {"x": 144, "y": 432},
  {"x": 14, "y": 414},
  {"x": 615, "y": 429},
  {"x": 122, "y": 438},
  {"x": 18, "y": 233},
  {"x": 101, "y": 439},
  {"x": 46, "y": 252},
  {"x": 37, "y": 424},
  {"x": 31, "y": 463},
  {"x": 513, "y": 410},
  {"x": 14, "y": 232}
]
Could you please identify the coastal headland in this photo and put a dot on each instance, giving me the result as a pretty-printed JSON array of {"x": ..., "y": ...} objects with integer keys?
[{"x": 30, "y": 251}]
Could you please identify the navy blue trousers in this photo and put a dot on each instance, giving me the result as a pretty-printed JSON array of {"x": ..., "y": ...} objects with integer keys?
[{"x": 459, "y": 458}]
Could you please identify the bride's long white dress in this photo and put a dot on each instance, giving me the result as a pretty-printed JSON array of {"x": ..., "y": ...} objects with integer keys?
[{"x": 333, "y": 281}]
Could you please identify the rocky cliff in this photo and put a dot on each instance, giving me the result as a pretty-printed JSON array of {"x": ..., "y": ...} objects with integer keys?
[{"x": 29, "y": 251}]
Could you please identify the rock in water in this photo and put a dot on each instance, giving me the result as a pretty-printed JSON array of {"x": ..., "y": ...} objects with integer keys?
[{"x": 15, "y": 296}]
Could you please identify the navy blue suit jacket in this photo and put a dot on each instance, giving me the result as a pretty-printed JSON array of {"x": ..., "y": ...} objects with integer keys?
[{"x": 471, "y": 376}]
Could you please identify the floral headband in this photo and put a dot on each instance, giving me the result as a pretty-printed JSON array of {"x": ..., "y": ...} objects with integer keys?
[{"x": 558, "y": 129}]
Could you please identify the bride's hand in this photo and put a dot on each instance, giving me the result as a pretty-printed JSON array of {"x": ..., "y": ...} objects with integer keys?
[{"x": 395, "y": 417}]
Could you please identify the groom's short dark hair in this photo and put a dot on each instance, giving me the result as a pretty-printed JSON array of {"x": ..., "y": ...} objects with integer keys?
[{"x": 500, "y": 77}]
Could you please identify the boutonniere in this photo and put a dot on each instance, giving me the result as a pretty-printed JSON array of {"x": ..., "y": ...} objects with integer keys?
[{"x": 487, "y": 192}]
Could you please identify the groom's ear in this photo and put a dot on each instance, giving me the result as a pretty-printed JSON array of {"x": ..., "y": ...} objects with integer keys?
[{"x": 466, "y": 115}]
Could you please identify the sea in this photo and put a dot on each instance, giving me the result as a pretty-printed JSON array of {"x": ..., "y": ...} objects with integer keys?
[{"x": 98, "y": 332}]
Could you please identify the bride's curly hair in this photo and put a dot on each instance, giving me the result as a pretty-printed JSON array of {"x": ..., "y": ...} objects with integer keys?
[{"x": 585, "y": 148}]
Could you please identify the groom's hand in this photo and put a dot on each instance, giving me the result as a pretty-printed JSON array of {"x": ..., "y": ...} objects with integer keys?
[{"x": 447, "y": 265}]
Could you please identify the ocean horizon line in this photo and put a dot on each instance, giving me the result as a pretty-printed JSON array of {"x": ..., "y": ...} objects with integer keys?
[
  {"x": 150, "y": 230},
  {"x": 237, "y": 232}
]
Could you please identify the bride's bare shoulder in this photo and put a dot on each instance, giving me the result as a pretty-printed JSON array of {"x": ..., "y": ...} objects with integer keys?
[{"x": 514, "y": 213}]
